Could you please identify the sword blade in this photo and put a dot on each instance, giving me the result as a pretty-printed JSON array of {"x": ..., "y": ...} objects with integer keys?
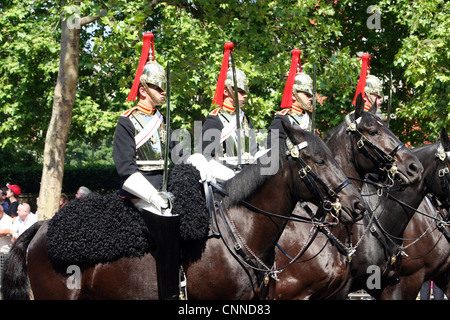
[
  {"x": 313, "y": 117},
  {"x": 167, "y": 142},
  {"x": 238, "y": 110}
]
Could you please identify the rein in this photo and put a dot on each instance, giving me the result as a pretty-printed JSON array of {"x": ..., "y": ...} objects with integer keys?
[
  {"x": 384, "y": 161},
  {"x": 328, "y": 201}
]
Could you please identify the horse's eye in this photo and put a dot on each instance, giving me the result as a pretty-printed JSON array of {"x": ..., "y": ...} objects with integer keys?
[
  {"x": 319, "y": 162},
  {"x": 373, "y": 132}
]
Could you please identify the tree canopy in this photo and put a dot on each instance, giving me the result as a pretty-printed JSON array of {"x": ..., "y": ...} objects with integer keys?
[{"x": 411, "y": 42}]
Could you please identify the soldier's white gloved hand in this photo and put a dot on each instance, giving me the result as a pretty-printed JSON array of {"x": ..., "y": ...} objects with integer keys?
[
  {"x": 260, "y": 153},
  {"x": 138, "y": 185},
  {"x": 219, "y": 171},
  {"x": 159, "y": 200},
  {"x": 201, "y": 164}
]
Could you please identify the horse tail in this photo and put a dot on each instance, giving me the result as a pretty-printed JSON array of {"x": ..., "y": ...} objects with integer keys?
[{"x": 15, "y": 284}]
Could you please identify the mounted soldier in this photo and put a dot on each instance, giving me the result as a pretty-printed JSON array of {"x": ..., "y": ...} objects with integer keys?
[
  {"x": 296, "y": 102},
  {"x": 141, "y": 140},
  {"x": 221, "y": 142}
]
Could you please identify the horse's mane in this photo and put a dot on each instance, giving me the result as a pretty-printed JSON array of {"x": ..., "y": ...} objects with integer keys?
[
  {"x": 332, "y": 132},
  {"x": 250, "y": 179}
]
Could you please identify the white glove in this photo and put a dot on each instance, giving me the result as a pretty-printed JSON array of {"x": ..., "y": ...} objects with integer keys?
[
  {"x": 220, "y": 171},
  {"x": 138, "y": 185},
  {"x": 261, "y": 153},
  {"x": 201, "y": 164}
]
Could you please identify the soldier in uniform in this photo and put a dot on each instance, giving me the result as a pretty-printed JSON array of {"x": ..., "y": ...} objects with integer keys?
[
  {"x": 138, "y": 153},
  {"x": 296, "y": 101},
  {"x": 138, "y": 146},
  {"x": 219, "y": 131}
]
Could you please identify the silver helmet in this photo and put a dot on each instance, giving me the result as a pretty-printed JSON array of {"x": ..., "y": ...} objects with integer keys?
[
  {"x": 373, "y": 86},
  {"x": 241, "y": 79},
  {"x": 154, "y": 73},
  {"x": 303, "y": 83}
]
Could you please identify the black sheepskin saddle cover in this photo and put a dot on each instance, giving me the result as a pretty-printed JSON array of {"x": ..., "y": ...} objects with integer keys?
[{"x": 105, "y": 228}]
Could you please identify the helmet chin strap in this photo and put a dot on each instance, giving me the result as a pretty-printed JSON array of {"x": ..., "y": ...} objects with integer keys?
[
  {"x": 230, "y": 89},
  {"x": 304, "y": 105},
  {"x": 158, "y": 101},
  {"x": 369, "y": 97}
]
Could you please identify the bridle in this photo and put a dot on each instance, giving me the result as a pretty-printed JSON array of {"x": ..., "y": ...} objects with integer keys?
[
  {"x": 328, "y": 200},
  {"x": 384, "y": 161},
  {"x": 443, "y": 174}
]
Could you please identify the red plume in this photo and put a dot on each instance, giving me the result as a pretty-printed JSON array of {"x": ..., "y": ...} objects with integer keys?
[
  {"x": 148, "y": 42},
  {"x": 363, "y": 76},
  {"x": 286, "y": 102},
  {"x": 218, "y": 95}
]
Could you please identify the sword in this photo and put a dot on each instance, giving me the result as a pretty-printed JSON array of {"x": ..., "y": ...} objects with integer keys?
[
  {"x": 238, "y": 111},
  {"x": 390, "y": 99},
  {"x": 166, "y": 150},
  {"x": 313, "y": 117}
]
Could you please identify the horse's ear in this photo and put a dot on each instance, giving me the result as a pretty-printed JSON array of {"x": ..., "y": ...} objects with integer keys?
[
  {"x": 373, "y": 108},
  {"x": 287, "y": 129},
  {"x": 290, "y": 132},
  {"x": 359, "y": 106},
  {"x": 445, "y": 140}
]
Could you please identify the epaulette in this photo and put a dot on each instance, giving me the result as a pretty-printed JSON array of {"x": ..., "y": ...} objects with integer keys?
[
  {"x": 128, "y": 112},
  {"x": 282, "y": 112},
  {"x": 215, "y": 112}
]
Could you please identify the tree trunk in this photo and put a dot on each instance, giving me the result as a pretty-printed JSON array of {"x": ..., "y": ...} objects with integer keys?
[{"x": 58, "y": 130}]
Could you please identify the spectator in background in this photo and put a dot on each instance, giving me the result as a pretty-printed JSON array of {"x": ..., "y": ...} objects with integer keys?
[
  {"x": 5, "y": 236},
  {"x": 82, "y": 192},
  {"x": 24, "y": 220},
  {"x": 63, "y": 199},
  {"x": 12, "y": 194},
  {"x": 4, "y": 199}
]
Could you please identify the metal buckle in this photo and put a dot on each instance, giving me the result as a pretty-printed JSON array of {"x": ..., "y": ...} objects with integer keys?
[
  {"x": 393, "y": 170},
  {"x": 303, "y": 172},
  {"x": 337, "y": 206},
  {"x": 443, "y": 172},
  {"x": 352, "y": 126},
  {"x": 360, "y": 142}
]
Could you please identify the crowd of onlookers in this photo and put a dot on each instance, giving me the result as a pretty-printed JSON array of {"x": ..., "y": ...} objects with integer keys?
[{"x": 16, "y": 215}]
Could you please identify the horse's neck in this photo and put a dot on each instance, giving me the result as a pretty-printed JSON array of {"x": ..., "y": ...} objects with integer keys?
[
  {"x": 262, "y": 232},
  {"x": 339, "y": 145},
  {"x": 398, "y": 216}
]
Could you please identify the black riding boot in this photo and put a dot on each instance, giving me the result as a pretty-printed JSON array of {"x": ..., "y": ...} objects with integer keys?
[{"x": 164, "y": 231}]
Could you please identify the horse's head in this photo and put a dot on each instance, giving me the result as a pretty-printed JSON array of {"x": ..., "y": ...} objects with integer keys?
[
  {"x": 319, "y": 179},
  {"x": 376, "y": 149},
  {"x": 436, "y": 161}
]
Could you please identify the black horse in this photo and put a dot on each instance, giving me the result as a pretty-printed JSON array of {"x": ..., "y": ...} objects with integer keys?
[
  {"x": 322, "y": 267},
  {"x": 427, "y": 236},
  {"x": 236, "y": 264},
  {"x": 378, "y": 239}
]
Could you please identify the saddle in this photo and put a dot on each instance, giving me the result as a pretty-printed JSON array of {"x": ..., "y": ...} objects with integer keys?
[{"x": 103, "y": 229}]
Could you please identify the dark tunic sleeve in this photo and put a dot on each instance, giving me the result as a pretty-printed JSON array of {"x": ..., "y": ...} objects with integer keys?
[
  {"x": 277, "y": 124},
  {"x": 124, "y": 148},
  {"x": 211, "y": 132}
]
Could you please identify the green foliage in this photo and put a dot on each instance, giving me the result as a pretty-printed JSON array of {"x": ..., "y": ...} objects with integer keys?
[
  {"x": 412, "y": 43},
  {"x": 97, "y": 177}
]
